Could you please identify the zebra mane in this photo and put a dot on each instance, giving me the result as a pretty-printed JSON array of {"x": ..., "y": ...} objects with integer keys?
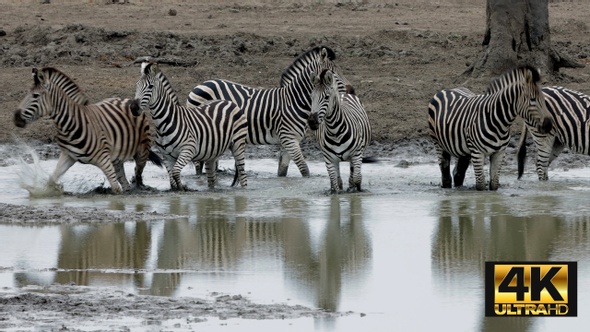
[
  {"x": 64, "y": 82},
  {"x": 498, "y": 83},
  {"x": 302, "y": 61}
]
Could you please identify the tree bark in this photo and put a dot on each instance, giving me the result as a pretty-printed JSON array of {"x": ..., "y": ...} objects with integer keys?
[{"x": 517, "y": 33}]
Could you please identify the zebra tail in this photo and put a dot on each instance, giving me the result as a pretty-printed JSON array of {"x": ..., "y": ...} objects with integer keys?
[
  {"x": 522, "y": 150},
  {"x": 370, "y": 160},
  {"x": 154, "y": 158}
]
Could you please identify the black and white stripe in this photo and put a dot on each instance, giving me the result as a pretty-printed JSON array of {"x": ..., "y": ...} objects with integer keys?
[
  {"x": 570, "y": 112},
  {"x": 471, "y": 127},
  {"x": 105, "y": 134},
  {"x": 341, "y": 127},
  {"x": 277, "y": 115},
  {"x": 197, "y": 134}
]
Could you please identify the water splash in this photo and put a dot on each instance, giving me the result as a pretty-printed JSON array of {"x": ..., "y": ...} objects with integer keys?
[{"x": 34, "y": 179}]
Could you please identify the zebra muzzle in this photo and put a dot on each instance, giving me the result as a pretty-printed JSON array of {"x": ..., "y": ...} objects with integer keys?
[
  {"x": 135, "y": 107},
  {"x": 18, "y": 119},
  {"x": 313, "y": 121},
  {"x": 546, "y": 126}
]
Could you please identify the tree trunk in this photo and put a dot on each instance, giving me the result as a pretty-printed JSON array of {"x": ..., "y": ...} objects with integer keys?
[{"x": 517, "y": 33}]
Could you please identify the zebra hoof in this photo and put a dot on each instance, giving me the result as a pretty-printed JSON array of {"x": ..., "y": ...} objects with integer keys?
[
  {"x": 304, "y": 171},
  {"x": 494, "y": 187},
  {"x": 116, "y": 191},
  {"x": 282, "y": 172},
  {"x": 480, "y": 187}
]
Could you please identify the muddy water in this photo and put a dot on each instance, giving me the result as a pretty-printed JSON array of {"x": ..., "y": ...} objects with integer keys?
[{"x": 405, "y": 255}]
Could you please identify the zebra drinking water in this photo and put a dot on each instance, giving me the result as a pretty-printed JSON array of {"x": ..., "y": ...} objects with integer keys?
[
  {"x": 198, "y": 134},
  {"x": 341, "y": 127},
  {"x": 570, "y": 111},
  {"x": 277, "y": 115},
  {"x": 471, "y": 127},
  {"x": 104, "y": 134}
]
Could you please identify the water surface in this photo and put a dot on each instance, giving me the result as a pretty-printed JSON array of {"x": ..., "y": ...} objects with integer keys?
[{"x": 405, "y": 255}]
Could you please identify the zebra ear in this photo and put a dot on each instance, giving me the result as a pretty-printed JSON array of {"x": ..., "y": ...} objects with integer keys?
[
  {"x": 35, "y": 73},
  {"x": 144, "y": 67},
  {"x": 533, "y": 74},
  {"x": 155, "y": 68},
  {"x": 328, "y": 78},
  {"x": 324, "y": 54},
  {"x": 40, "y": 79},
  {"x": 528, "y": 76}
]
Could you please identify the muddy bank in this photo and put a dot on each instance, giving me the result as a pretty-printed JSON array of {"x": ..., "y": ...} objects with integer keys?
[
  {"x": 99, "y": 309},
  {"x": 30, "y": 215}
]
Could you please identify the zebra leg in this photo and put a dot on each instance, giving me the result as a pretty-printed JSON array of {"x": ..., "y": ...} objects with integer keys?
[
  {"x": 140, "y": 162},
  {"x": 111, "y": 173},
  {"x": 444, "y": 162},
  {"x": 174, "y": 171},
  {"x": 238, "y": 151},
  {"x": 211, "y": 173},
  {"x": 460, "y": 170},
  {"x": 284, "y": 159},
  {"x": 480, "y": 177},
  {"x": 118, "y": 165},
  {"x": 198, "y": 167},
  {"x": 496, "y": 161},
  {"x": 545, "y": 150},
  {"x": 557, "y": 149},
  {"x": 334, "y": 174},
  {"x": 63, "y": 164},
  {"x": 355, "y": 178},
  {"x": 294, "y": 150}
]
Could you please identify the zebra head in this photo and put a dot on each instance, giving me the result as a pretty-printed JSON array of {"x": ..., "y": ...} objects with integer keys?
[
  {"x": 326, "y": 63},
  {"x": 314, "y": 60},
  {"x": 324, "y": 97},
  {"x": 144, "y": 88},
  {"x": 34, "y": 105},
  {"x": 535, "y": 110},
  {"x": 524, "y": 89}
]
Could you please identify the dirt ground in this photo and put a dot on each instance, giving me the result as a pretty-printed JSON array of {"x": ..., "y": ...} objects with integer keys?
[{"x": 397, "y": 56}]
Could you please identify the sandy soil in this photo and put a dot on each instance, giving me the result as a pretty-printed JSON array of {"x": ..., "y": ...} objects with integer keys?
[{"x": 397, "y": 56}]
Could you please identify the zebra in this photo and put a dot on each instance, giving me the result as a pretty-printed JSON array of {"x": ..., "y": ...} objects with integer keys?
[
  {"x": 275, "y": 115},
  {"x": 341, "y": 127},
  {"x": 197, "y": 134},
  {"x": 472, "y": 126},
  {"x": 105, "y": 134},
  {"x": 570, "y": 112}
]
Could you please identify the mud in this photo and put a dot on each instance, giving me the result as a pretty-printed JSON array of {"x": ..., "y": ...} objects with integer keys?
[{"x": 71, "y": 305}]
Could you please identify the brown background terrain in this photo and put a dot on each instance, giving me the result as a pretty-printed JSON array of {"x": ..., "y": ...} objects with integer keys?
[{"x": 396, "y": 54}]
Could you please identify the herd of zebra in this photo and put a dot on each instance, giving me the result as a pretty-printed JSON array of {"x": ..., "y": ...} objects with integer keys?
[{"x": 220, "y": 115}]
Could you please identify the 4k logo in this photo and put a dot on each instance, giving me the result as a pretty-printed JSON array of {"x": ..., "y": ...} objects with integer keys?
[{"x": 531, "y": 289}]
